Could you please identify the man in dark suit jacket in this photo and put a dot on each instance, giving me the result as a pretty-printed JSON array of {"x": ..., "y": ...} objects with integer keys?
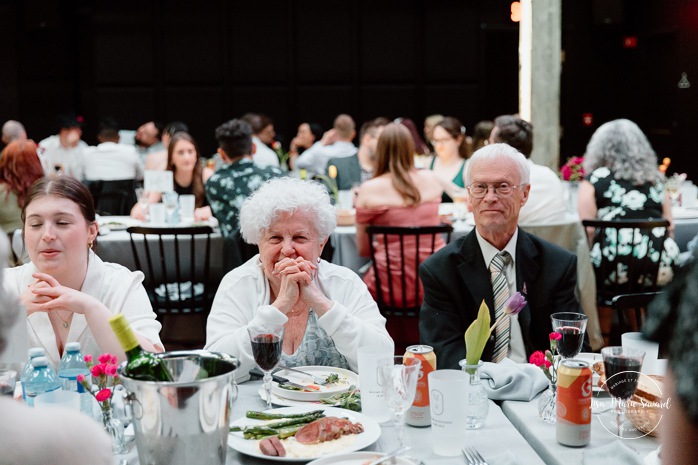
[{"x": 456, "y": 279}]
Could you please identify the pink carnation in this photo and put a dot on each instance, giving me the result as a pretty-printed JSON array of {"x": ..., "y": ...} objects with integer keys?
[
  {"x": 566, "y": 172},
  {"x": 555, "y": 336},
  {"x": 88, "y": 358},
  {"x": 97, "y": 370},
  {"x": 81, "y": 378},
  {"x": 104, "y": 358},
  {"x": 110, "y": 370},
  {"x": 103, "y": 395},
  {"x": 537, "y": 358},
  {"x": 547, "y": 363},
  {"x": 114, "y": 360}
]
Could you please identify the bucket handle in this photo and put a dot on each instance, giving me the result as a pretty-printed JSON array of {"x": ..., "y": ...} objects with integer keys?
[{"x": 133, "y": 412}]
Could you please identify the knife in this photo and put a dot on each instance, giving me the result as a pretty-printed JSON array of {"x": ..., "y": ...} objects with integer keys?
[{"x": 280, "y": 379}]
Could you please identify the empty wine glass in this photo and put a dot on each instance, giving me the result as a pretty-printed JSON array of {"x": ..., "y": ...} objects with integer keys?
[
  {"x": 622, "y": 368},
  {"x": 571, "y": 327},
  {"x": 399, "y": 375},
  {"x": 673, "y": 188},
  {"x": 266, "y": 341},
  {"x": 143, "y": 197}
]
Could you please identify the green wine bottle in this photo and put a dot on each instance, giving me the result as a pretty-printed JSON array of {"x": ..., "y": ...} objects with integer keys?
[{"x": 141, "y": 365}]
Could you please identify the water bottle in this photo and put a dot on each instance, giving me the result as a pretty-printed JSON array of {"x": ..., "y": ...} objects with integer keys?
[
  {"x": 72, "y": 364},
  {"x": 34, "y": 352},
  {"x": 41, "y": 380}
]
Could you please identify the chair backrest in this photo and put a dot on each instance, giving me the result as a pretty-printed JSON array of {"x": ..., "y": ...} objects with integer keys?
[
  {"x": 636, "y": 302},
  {"x": 410, "y": 243},
  {"x": 176, "y": 263},
  {"x": 618, "y": 239},
  {"x": 113, "y": 197}
]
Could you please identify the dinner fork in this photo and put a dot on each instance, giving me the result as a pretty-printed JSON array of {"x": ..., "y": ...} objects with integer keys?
[
  {"x": 316, "y": 379},
  {"x": 473, "y": 457}
]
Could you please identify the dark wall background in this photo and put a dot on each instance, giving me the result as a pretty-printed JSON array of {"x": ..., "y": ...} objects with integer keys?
[{"x": 307, "y": 60}]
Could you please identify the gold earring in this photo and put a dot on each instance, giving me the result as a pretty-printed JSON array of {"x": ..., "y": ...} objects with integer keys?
[{"x": 89, "y": 245}]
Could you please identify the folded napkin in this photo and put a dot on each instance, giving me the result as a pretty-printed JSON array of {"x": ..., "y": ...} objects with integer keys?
[
  {"x": 611, "y": 454},
  {"x": 508, "y": 380}
]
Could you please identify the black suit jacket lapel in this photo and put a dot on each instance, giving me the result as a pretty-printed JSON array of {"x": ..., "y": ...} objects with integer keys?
[{"x": 527, "y": 271}]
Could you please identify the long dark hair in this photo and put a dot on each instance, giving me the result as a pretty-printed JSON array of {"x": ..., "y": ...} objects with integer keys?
[
  {"x": 197, "y": 181},
  {"x": 66, "y": 187},
  {"x": 456, "y": 129}
]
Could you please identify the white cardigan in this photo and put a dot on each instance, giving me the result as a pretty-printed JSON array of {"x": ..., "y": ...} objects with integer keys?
[
  {"x": 243, "y": 299},
  {"x": 118, "y": 288}
]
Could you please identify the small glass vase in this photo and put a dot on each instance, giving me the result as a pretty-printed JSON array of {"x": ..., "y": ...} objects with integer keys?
[
  {"x": 547, "y": 405},
  {"x": 115, "y": 430},
  {"x": 475, "y": 396}
]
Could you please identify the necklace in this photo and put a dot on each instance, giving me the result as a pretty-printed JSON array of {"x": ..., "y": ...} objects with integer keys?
[{"x": 65, "y": 322}]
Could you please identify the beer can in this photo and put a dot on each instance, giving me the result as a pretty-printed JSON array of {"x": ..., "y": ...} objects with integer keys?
[
  {"x": 573, "y": 427},
  {"x": 419, "y": 414}
]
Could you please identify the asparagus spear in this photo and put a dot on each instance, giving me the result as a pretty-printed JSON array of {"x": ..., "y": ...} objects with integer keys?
[
  {"x": 280, "y": 424},
  {"x": 279, "y": 416}
]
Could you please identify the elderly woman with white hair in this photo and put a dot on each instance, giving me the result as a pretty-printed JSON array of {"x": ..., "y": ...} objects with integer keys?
[{"x": 326, "y": 309}]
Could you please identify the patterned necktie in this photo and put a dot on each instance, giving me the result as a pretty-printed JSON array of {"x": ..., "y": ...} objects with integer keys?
[{"x": 500, "y": 290}]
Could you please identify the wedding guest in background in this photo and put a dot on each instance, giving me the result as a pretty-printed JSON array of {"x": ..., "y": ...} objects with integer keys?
[
  {"x": 68, "y": 292},
  {"x": 262, "y": 137},
  {"x": 234, "y": 182},
  {"x": 19, "y": 169},
  {"x": 672, "y": 321},
  {"x": 623, "y": 182},
  {"x": 62, "y": 153},
  {"x": 546, "y": 199},
  {"x": 33, "y": 436},
  {"x": 307, "y": 135},
  {"x": 481, "y": 135},
  {"x": 148, "y": 138},
  {"x": 13, "y": 130},
  {"x": 110, "y": 161},
  {"x": 420, "y": 147},
  {"x": 184, "y": 160},
  {"x": 459, "y": 277},
  {"x": 358, "y": 168},
  {"x": 397, "y": 195},
  {"x": 158, "y": 160},
  {"x": 326, "y": 309},
  {"x": 335, "y": 143},
  {"x": 429, "y": 123},
  {"x": 451, "y": 150}
]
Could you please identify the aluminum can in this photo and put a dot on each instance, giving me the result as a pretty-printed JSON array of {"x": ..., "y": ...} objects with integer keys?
[
  {"x": 419, "y": 414},
  {"x": 573, "y": 427}
]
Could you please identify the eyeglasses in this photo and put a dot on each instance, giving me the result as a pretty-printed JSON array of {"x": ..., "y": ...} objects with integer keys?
[{"x": 479, "y": 190}]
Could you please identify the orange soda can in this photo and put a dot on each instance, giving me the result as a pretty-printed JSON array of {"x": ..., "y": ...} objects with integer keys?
[
  {"x": 573, "y": 427},
  {"x": 419, "y": 414}
]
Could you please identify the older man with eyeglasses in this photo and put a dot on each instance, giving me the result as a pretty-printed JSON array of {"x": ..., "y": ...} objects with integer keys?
[{"x": 494, "y": 261}]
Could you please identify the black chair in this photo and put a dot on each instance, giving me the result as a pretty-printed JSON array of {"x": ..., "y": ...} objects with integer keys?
[
  {"x": 400, "y": 309},
  {"x": 176, "y": 263},
  {"x": 113, "y": 197},
  {"x": 632, "y": 302},
  {"x": 619, "y": 277}
]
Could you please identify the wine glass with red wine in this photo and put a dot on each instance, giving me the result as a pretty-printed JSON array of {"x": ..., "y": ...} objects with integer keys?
[
  {"x": 266, "y": 349},
  {"x": 571, "y": 327},
  {"x": 622, "y": 368}
]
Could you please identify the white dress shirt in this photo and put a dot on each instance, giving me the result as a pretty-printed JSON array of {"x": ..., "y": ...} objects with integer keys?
[
  {"x": 111, "y": 162},
  {"x": 263, "y": 155},
  {"x": 546, "y": 199},
  {"x": 316, "y": 157},
  {"x": 52, "y": 154},
  {"x": 517, "y": 350}
]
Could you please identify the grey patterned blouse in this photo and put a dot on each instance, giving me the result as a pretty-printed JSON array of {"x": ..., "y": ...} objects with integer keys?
[{"x": 317, "y": 348}]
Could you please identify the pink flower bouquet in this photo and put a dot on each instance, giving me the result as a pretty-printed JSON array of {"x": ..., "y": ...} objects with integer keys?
[{"x": 104, "y": 376}]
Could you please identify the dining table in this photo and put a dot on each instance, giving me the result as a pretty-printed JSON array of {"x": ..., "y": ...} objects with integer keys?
[{"x": 488, "y": 440}]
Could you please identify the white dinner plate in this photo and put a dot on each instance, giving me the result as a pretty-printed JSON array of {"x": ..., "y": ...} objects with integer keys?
[
  {"x": 372, "y": 432},
  {"x": 282, "y": 402},
  {"x": 347, "y": 379},
  {"x": 683, "y": 213},
  {"x": 359, "y": 458}
]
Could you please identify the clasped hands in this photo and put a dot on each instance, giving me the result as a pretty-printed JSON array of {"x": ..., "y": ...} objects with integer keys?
[
  {"x": 298, "y": 286},
  {"x": 47, "y": 294}
]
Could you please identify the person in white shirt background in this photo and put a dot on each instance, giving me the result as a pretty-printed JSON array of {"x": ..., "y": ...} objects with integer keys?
[
  {"x": 110, "y": 161},
  {"x": 546, "y": 199},
  {"x": 262, "y": 137},
  {"x": 335, "y": 143},
  {"x": 62, "y": 152}
]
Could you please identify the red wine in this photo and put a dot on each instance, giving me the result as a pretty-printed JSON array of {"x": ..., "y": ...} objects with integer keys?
[
  {"x": 266, "y": 349},
  {"x": 571, "y": 342},
  {"x": 622, "y": 374}
]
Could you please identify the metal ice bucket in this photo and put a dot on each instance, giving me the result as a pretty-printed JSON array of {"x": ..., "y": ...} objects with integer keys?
[{"x": 185, "y": 421}]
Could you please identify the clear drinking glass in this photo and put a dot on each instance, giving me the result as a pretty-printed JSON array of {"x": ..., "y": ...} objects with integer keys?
[
  {"x": 143, "y": 197},
  {"x": 571, "y": 327},
  {"x": 622, "y": 367},
  {"x": 171, "y": 202},
  {"x": 460, "y": 209},
  {"x": 673, "y": 188},
  {"x": 266, "y": 341},
  {"x": 399, "y": 375}
]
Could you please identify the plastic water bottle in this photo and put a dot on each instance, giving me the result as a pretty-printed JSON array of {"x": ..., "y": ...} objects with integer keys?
[
  {"x": 33, "y": 353},
  {"x": 41, "y": 380},
  {"x": 72, "y": 364}
]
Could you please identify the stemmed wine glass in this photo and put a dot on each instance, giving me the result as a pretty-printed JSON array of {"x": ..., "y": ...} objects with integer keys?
[
  {"x": 143, "y": 200},
  {"x": 622, "y": 367},
  {"x": 571, "y": 327},
  {"x": 266, "y": 342},
  {"x": 399, "y": 376},
  {"x": 460, "y": 209},
  {"x": 673, "y": 188}
]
